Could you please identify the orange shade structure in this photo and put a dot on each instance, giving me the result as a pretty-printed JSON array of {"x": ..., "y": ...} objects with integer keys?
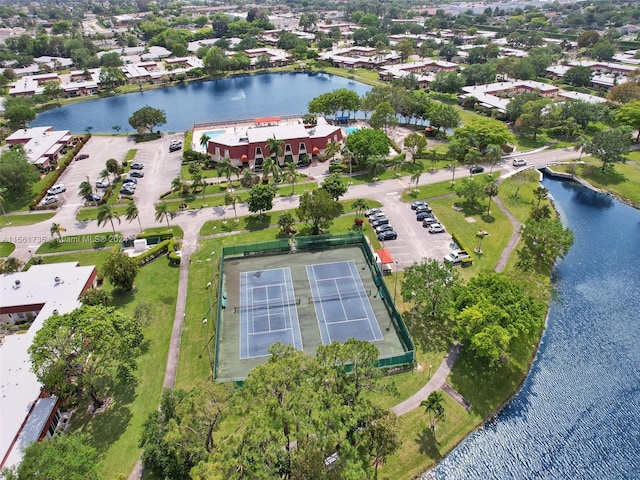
[
  {"x": 243, "y": 157},
  {"x": 315, "y": 150},
  {"x": 385, "y": 256}
]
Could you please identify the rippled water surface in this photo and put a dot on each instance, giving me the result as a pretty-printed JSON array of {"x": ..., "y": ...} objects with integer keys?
[
  {"x": 235, "y": 98},
  {"x": 578, "y": 413}
]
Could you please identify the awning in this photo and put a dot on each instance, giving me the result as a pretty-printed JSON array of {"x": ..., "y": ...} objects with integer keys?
[
  {"x": 243, "y": 158},
  {"x": 267, "y": 120},
  {"x": 385, "y": 256}
]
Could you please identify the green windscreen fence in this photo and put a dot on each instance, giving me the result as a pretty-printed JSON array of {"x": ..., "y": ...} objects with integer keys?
[{"x": 308, "y": 250}]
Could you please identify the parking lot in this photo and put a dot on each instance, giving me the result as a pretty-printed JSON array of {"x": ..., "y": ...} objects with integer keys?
[
  {"x": 160, "y": 167},
  {"x": 414, "y": 242}
]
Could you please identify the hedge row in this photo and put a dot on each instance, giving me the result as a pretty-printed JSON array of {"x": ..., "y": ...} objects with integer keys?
[
  {"x": 164, "y": 234},
  {"x": 153, "y": 253},
  {"x": 62, "y": 166},
  {"x": 466, "y": 261}
]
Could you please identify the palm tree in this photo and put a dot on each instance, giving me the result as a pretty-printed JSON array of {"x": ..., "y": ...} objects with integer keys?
[
  {"x": 331, "y": 149},
  {"x": 493, "y": 155},
  {"x": 490, "y": 190},
  {"x": 248, "y": 178},
  {"x": 113, "y": 167},
  {"x": 106, "y": 213},
  {"x": 435, "y": 409},
  {"x": 162, "y": 210},
  {"x": 132, "y": 213},
  {"x": 291, "y": 174},
  {"x": 275, "y": 147},
  {"x": 85, "y": 189},
  {"x": 581, "y": 144},
  {"x": 271, "y": 166},
  {"x": 2, "y": 192},
  {"x": 570, "y": 127},
  {"x": 376, "y": 165},
  {"x": 57, "y": 229},
  {"x": 471, "y": 158},
  {"x": 177, "y": 185},
  {"x": 348, "y": 156},
  {"x": 226, "y": 168},
  {"x": 231, "y": 198},
  {"x": 104, "y": 173},
  {"x": 415, "y": 176},
  {"x": 360, "y": 205},
  {"x": 204, "y": 141}
]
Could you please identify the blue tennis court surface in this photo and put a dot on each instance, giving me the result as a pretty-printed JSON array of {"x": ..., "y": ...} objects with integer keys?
[
  {"x": 267, "y": 312},
  {"x": 342, "y": 305}
]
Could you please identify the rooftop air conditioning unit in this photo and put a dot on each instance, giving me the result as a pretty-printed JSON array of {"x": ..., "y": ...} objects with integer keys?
[
  {"x": 16, "y": 284},
  {"x": 57, "y": 280}
]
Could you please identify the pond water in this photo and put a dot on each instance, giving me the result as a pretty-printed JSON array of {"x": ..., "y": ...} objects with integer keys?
[
  {"x": 578, "y": 412},
  {"x": 226, "y": 99}
]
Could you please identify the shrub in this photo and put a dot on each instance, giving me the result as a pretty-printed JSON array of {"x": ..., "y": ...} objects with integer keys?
[
  {"x": 163, "y": 234},
  {"x": 153, "y": 253}
]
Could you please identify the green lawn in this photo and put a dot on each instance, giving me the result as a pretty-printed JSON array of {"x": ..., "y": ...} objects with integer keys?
[
  {"x": 88, "y": 214},
  {"x": 6, "y": 249},
  {"x": 23, "y": 219},
  {"x": 176, "y": 229},
  {"x": 70, "y": 243}
]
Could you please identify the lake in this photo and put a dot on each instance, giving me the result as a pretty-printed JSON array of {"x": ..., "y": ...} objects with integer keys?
[
  {"x": 226, "y": 99},
  {"x": 578, "y": 412}
]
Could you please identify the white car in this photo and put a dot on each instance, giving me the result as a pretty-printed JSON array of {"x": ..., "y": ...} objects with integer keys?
[
  {"x": 56, "y": 189},
  {"x": 519, "y": 162},
  {"x": 49, "y": 200},
  {"x": 436, "y": 228},
  {"x": 103, "y": 183}
]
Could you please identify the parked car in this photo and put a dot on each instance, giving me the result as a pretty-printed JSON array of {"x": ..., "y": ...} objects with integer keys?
[
  {"x": 375, "y": 216},
  {"x": 56, "y": 189},
  {"x": 103, "y": 183},
  {"x": 126, "y": 190},
  {"x": 371, "y": 211},
  {"x": 384, "y": 228},
  {"x": 137, "y": 166},
  {"x": 519, "y": 162},
  {"x": 476, "y": 169},
  {"x": 130, "y": 180},
  {"x": 49, "y": 200},
  {"x": 82, "y": 156},
  {"x": 387, "y": 235},
  {"x": 456, "y": 257},
  {"x": 436, "y": 228},
  {"x": 380, "y": 221},
  {"x": 174, "y": 147},
  {"x": 422, "y": 215},
  {"x": 418, "y": 203},
  {"x": 428, "y": 221},
  {"x": 136, "y": 174},
  {"x": 175, "y": 141},
  {"x": 423, "y": 208},
  {"x": 93, "y": 197}
]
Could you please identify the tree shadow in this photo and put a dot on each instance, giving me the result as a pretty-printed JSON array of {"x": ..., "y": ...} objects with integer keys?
[
  {"x": 430, "y": 334},
  {"x": 488, "y": 218},
  {"x": 427, "y": 444},
  {"x": 257, "y": 222},
  {"x": 609, "y": 177}
]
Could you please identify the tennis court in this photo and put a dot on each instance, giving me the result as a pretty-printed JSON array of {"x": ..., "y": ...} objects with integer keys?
[
  {"x": 342, "y": 306},
  {"x": 267, "y": 312}
]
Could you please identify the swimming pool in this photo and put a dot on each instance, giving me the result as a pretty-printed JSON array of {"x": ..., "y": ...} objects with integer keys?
[
  {"x": 352, "y": 130},
  {"x": 213, "y": 133}
]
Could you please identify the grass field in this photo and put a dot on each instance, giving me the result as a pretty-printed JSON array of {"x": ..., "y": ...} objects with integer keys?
[
  {"x": 23, "y": 219},
  {"x": 80, "y": 242},
  {"x": 6, "y": 249}
]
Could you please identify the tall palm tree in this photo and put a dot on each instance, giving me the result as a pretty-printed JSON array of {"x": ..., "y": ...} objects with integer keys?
[
  {"x": 226, "y": 168},
  {"x": 57, "y": 229},
  {"x": 204, "y": 141},
  {"x": 490, "y": 190},
  {"x": 113, "y": 167},
  {"x": 291, "y": 174},
  {"x": 415, "y": 176},
  {"x": 249, "y": 178},
  {"x": 348, "y": 156},
  {"x": 162, "y": 210},
  {"x": 104, "y": 173},
  {"x": 376, "y": 165},
  {"x": 271, "y": 166},
  {"x": 360, "y": 205},
  {"x": 275, "y": 147},
  {"x": 132, "y": 213},
  {"x": 581, "y": 144},
  {"x": 106, "y": 213},
  {"x": 331, "y": 149},
  {"x": 2, "y": 192},
  {"x": 232, "y": 198},
  {"x": 85, "y": 189},
  {"x": 471, "y": 158},
  {"x": 435, "y": 409},
  {"x": 493, "y": 155}
]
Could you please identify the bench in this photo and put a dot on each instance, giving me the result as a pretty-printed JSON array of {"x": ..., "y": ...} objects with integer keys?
[
  {"x": 224, "y": 295},
  {"x": 224, "y": 303}
]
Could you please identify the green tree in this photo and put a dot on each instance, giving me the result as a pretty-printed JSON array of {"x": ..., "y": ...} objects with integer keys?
[
  {"x": 85, "y": 350},
  {"x": 215, "y": 61},
  {"x": 602, "y": 51},
  {"x": 17, "y": 174},
  {"x": 360, "y": 206},
  {"x": 417, "y": 173},
  {"x": 132, "y": 213},
  {"x": 291, "y": 174},
  {"x": 544, "y": 239},
  {"x": 331, "y": 149},
  {"x": 106, "y": 213},
  {"x": 534, "y": 115},
  {"x": 382, "y": 439},
  {"x": 415, "y": 142},
  {"x": 232, "y": 198},
  {"x": 57, "y": 229},
  {"x": 471, "y": 191},
  {"x": 447, "y": 82},
  {"x": 629, "y": 115},
  {"x": 318, "y": 208},
  {"x": 226, "y": 168},
  {"x": 52, "y": 91},
  {"x": 610, "y": 146},
  {"x": 121, "y": 270},
  {"x": 147, "y": 118},
  {"x": 162, "y": 210},
  {"x": 261, "y": 198},
  {"x": 85, "y": 189},
  {"x": 376, "y": 165},
  {"x": 270, "y": 166},
  {"x": 480, "y": 132},
  {"x": 18, "y": 113},
  {"x": 434, "y": 407},
  {"x": 366, "y": 143},
  {"x": 383, "y": 117},
  {"x": 579, "y": 76},
  {"x": 113, "y": 167},
  {"x": 541, "y": 194},
  {"x": 334, "y": 186},
  {"x": 111, "y": 78},
  {"x": 66, "y": 456}
]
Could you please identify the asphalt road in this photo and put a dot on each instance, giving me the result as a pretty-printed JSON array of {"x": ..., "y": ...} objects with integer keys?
[{"x": 161, "y": 166}]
